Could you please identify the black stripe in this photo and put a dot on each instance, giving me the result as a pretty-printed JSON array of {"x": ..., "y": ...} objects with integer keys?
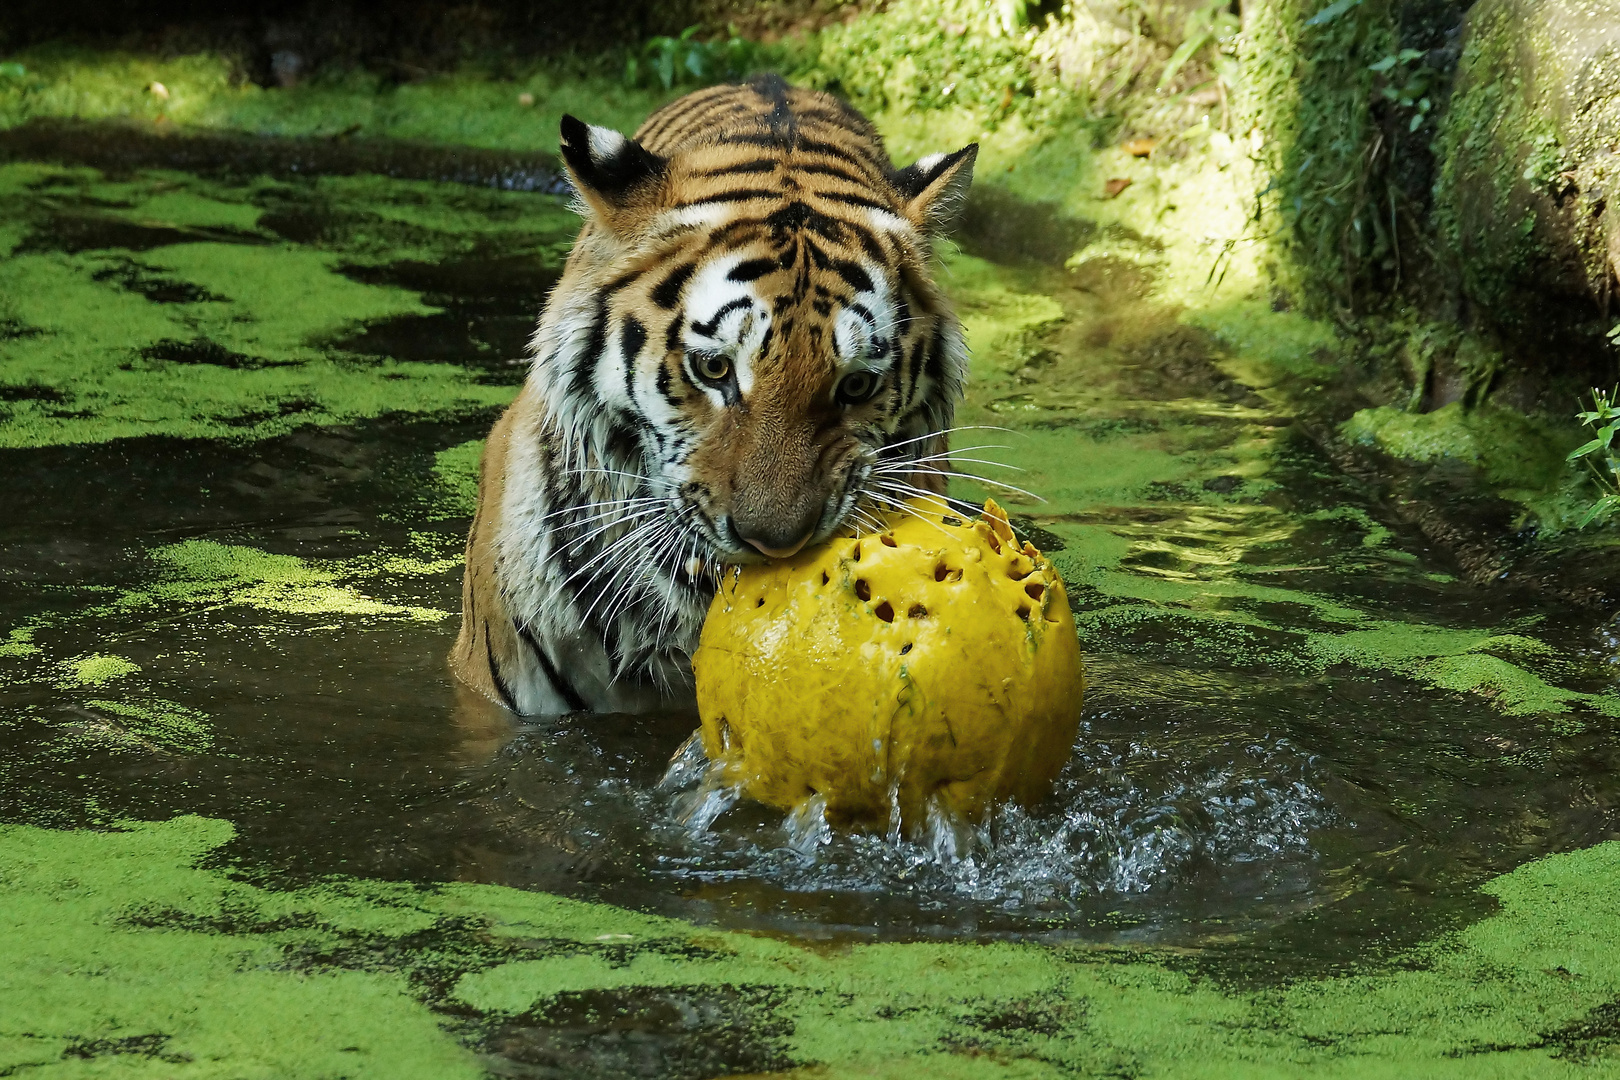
[
  {"x": 580, "y": 382},
  {"x": 621, "y": 282},
  {"x": 915, "y": 373},
  {"x": 936, "y": 354},
  {"x": 495, "y": 672},
  {"x": 816, "y": 168},
  {"x": 854, "y": 275},
  {"x": 746, "y": 138},
  {"x": 817, "y": 146},
  {"x": 631, "y": 341},
  {"x": 852, "y": 200},
  {"x": 707, "y": 329},
  {"x": 667, "y": 293},
  {"x": 674, "y": 112},
  {"x": 876, "y": 250},
  {"x": 751, "y": 269},
  {"x": 737, "y": 195},
  {"x": 758, "y": 165},
  {"x": 564, "y": 688}
]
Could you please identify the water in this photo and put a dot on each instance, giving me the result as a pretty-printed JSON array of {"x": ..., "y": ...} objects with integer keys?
[{"x": 1308, "y": 737}]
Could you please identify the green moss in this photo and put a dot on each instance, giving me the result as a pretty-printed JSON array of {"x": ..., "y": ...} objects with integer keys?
[
  {"x": 1309, "y": 89},
  {"x": 470, "y": 108},
  {"x": 119, "y": 951},
  {"x": 1494, "y": 153},
  {"x": 1523, "y": 459}
]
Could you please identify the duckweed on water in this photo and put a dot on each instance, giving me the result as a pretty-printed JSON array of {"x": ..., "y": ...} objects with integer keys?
[
  {"x": 167, "y": 305},
  {"x": 119, "y": 950},
  {"x": 97, "y": 669},
  {"x": 456, "y": 471},
  {"x": 157, "y": 723}
]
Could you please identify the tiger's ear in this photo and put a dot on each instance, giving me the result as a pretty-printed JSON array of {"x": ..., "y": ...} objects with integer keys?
[
  {"x": 608, "y": 169},
  {"x": 935, "y": 188}
]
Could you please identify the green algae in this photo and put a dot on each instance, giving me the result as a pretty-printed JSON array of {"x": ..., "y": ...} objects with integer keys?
[
  {"x": 19, "y": 641},
  {"x": 251, "y": 339},
  {"x": 1095, "y": 441},
  {"x": 96, "y": 669},
  {"x": 1523, "y": 459},
  {"x": 455, "y": 474},
  {"x": 1004, "y": 326},
  {"x": 156, "y": 723},
  {"x": 205, "y": 572},
  {"x": 122, "y": 950}
]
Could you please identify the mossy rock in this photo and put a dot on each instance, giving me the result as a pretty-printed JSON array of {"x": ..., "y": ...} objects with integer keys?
[{"x": 1526, "y": 160}]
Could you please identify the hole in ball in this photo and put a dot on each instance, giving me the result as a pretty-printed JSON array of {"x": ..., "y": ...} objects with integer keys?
[
  {"x": 884, "y": 611},
  {"x": 824, "y": 577},
  {"x": 855, "y": 552},
  {"x": 955, "y": 522},
  {"x": 1023, "y": 612},
  {"x": 917, "y": 611},
  {"x": 888, "y": 541},
  {"x": 905, "y": 648},
  {"x": 862, "y": 589},
  {"x": 760, "y": 602},
  {"x": 1034, "y": 589}
]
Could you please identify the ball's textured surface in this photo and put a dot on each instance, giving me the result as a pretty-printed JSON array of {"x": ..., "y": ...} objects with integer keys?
[{"x": 935, "y": 661}]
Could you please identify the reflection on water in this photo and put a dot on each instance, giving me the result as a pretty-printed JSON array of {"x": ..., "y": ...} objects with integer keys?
[{"x": 1303, "y": 732}]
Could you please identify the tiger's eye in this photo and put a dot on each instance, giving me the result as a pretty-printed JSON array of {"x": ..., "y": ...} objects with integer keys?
[
  {"x": 856, "y": 387},
  {"x": 713, "y": 367}
]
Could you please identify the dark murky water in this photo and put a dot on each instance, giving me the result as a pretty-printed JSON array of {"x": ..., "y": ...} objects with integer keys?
[{"x": 1250, "y": 772}]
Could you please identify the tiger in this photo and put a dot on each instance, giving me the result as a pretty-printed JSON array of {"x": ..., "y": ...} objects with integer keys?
[{"x": 745, "y": 354}]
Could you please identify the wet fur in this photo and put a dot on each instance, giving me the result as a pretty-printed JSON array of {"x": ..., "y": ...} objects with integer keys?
[{"x": 759, "y": 223}]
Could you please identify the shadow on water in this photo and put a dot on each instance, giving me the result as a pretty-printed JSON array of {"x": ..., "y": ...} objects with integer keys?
[{"x": 1246, "y": 780}]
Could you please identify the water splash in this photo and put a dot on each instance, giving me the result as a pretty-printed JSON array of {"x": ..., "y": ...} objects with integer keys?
[{"x": 1122, "y": 821}]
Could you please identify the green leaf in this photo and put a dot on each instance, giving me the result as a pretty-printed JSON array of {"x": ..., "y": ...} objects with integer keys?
[
  {"x": 1417, "y": 122},
  {"x": 13, "y": 70},
  {"x": 1600, "y": 510},
  {"x": 1584, "y": 449},
  {"x": 1383, "y": 65},
  {"x": 1331, "y": 12},
  {"x": 1179, "y": 58}
]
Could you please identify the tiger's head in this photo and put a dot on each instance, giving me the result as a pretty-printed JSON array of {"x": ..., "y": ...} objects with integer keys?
[{"x": 752, "y": 324}]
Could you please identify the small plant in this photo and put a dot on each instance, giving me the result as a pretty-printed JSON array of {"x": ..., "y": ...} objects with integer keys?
[
  {"x": 674, "y": 61},
  {"x": 1407, "y": 83},
  {"x": 1604, "y": 416},
  {"x": 1213, "y": 23}
]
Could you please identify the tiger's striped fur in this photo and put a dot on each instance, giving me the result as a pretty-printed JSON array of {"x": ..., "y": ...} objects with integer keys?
[{"x": 746, "y": 353}]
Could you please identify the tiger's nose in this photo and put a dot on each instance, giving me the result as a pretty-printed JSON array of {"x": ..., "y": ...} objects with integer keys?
[
  {"x": 779, "y": 552},
  {"x": 773, "y": 537}
]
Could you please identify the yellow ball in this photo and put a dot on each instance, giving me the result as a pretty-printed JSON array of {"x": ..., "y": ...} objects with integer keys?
[{"x": 933, "y": 663}]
